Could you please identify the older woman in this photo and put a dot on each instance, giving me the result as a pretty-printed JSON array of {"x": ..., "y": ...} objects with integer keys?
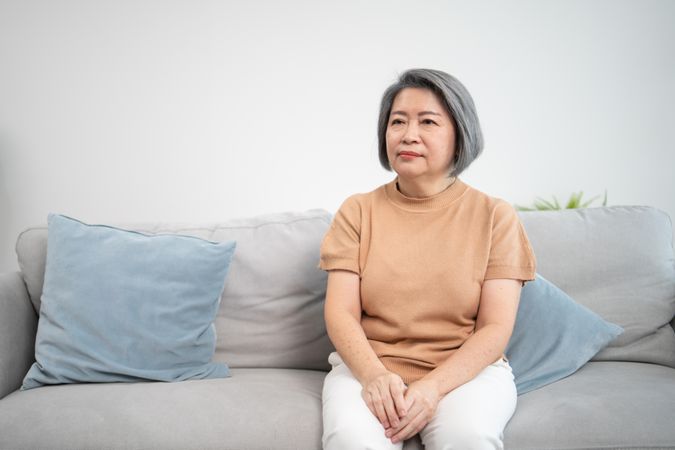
[{"x": 424, "y": 279}]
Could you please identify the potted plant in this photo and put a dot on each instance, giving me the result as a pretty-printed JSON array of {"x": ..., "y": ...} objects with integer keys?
[{"x": 574, "y": 202}]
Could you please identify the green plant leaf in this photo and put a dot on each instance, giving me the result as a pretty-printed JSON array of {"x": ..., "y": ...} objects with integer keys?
[
  {"x": 542, "y": 204},
  {"x": 574, "y": 202},
  {"x": 589, "y": 202}
]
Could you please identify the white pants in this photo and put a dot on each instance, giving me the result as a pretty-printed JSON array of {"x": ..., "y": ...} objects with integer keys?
[{"x": 472, "y": 416}]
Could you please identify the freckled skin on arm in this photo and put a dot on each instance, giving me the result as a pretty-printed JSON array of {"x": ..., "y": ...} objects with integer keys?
[{"x": 382, "y": 390}]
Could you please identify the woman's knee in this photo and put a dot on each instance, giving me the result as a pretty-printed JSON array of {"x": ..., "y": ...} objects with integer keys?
[
  {"x": 347, "y": 421},
  {"x": 463, "y": 438},
  {"x": 356, "y": 437}
]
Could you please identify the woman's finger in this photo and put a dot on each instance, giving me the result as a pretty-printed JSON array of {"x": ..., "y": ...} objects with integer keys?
[
  {"x": 413, "y": 411},
  {"x": 413, "y": 427},
  {"x": 397, "y": 390},
  {"x": 389, "y": 407},
  {"x": 367, "y": 398},
  {"x": 379, "y": 408}
]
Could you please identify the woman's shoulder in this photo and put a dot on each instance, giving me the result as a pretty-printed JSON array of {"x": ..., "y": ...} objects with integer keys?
[
  {"x": 486, "y": 203},
  {"x": 363, "y": 199}
]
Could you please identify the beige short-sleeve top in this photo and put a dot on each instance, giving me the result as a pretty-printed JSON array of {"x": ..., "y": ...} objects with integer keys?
[{"x": 422, "y": 263}]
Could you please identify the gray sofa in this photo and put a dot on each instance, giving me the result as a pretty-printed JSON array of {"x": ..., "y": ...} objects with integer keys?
[{"x": 618, "y": 261}]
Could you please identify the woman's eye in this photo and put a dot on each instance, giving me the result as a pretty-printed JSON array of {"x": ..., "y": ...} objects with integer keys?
[
  {"x": 396, "y": 121},
  {"x": 429, "y": 121}
]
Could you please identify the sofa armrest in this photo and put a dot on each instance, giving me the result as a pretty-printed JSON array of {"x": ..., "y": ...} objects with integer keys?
[{"x": 18, "y": 326}]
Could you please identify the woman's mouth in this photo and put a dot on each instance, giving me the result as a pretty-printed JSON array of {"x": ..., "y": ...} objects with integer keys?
[{"x": 409, "y": 155}]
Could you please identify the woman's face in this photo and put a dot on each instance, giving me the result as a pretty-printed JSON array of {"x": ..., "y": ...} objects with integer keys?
[{"x": 420, "y": 136}]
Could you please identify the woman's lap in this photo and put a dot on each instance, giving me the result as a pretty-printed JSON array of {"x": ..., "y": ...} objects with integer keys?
[
  {"x": 347, "y": 421},
  {"x": 472, "y": 416}
]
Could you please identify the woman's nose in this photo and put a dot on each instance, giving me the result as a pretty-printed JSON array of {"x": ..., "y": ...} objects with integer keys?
[{"x": 411, "y": 133}]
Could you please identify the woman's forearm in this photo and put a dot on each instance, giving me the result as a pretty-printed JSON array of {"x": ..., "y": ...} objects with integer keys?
[
  {"x": 350, "y": 341},
  {"x": 479, "y": 351}
]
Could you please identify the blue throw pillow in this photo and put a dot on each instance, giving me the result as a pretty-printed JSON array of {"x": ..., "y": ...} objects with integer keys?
[
  {"x": 119, "y": 305},
  {"x": 553, "y": 336}
]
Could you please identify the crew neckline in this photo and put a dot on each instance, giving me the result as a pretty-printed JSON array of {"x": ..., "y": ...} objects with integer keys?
[{"x": 433, "y": 202}]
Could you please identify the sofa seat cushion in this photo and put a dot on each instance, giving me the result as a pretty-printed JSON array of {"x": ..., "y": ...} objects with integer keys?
[
  {"x": 254, "y": 409},
  {"x": 606, "y": 404},
  {"x": 618, "y": 405}
]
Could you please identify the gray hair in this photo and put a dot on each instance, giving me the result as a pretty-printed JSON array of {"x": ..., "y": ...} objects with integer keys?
[{"x": 458, "y": 104}]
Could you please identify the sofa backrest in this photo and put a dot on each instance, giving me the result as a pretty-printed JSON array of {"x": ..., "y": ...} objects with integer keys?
[
  {"x": 618, "y": 261},
  {"x": 271, "y": 310}
]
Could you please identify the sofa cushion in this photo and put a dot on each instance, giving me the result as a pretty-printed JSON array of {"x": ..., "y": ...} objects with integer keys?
[
  {"x": 618, "y": 262},
  {"x": 254, "y": 409},
  {"x": 553, "y": 336},
  {"x": 120, "y": 306},
  {"x": 618, "y": 405},
  {"x": 271, "y": 311},
  {"x": 604, "y": 405}
]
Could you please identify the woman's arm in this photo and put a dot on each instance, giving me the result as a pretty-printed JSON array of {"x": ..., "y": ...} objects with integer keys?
[
  {"x": 499, "y": 300},
  {"x": 382, "y": 389},
  {"x": 496, "y": 317}
]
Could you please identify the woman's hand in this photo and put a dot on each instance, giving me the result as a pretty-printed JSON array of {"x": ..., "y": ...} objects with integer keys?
[
  {"x": 383, "y": 393},
  {"x": 421, "y": 399}
]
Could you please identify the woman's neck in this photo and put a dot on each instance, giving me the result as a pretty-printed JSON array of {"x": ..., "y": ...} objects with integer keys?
[{"x": 415, "y": 189}]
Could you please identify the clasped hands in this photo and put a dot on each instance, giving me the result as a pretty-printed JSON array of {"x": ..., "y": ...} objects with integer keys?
[{"x": 402, "y": 411}]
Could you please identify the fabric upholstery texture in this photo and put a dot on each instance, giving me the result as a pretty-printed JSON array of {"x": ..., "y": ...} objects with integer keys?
[
  {"x": 18, "y": 324},
  {"x": 121, "y": 306},
  {"x": 618, "y": 262},
  {"x": 604, "y": 405},
  {"x": 250, "y": 410},
  {"x": 553, "y": 336},
  {"x": 271, "y": 313}
]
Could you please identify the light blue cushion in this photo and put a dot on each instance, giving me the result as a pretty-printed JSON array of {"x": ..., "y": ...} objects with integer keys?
[
  {"x": 553, "y": 336},
  {"x": 119, "y": 305}
]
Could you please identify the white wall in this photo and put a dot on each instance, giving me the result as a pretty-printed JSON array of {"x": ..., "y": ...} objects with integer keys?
[{"x": 118, "y": 111}]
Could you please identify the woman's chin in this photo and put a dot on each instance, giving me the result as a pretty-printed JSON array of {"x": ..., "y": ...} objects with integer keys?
[
  {"x": 409, "y": 167},
  {"x": 406, "y": 172}
]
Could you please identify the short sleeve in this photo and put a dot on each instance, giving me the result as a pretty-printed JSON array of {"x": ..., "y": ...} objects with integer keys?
[
  {"x": 511, "y": 254},
  {"x": 341, "y": 243}
]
